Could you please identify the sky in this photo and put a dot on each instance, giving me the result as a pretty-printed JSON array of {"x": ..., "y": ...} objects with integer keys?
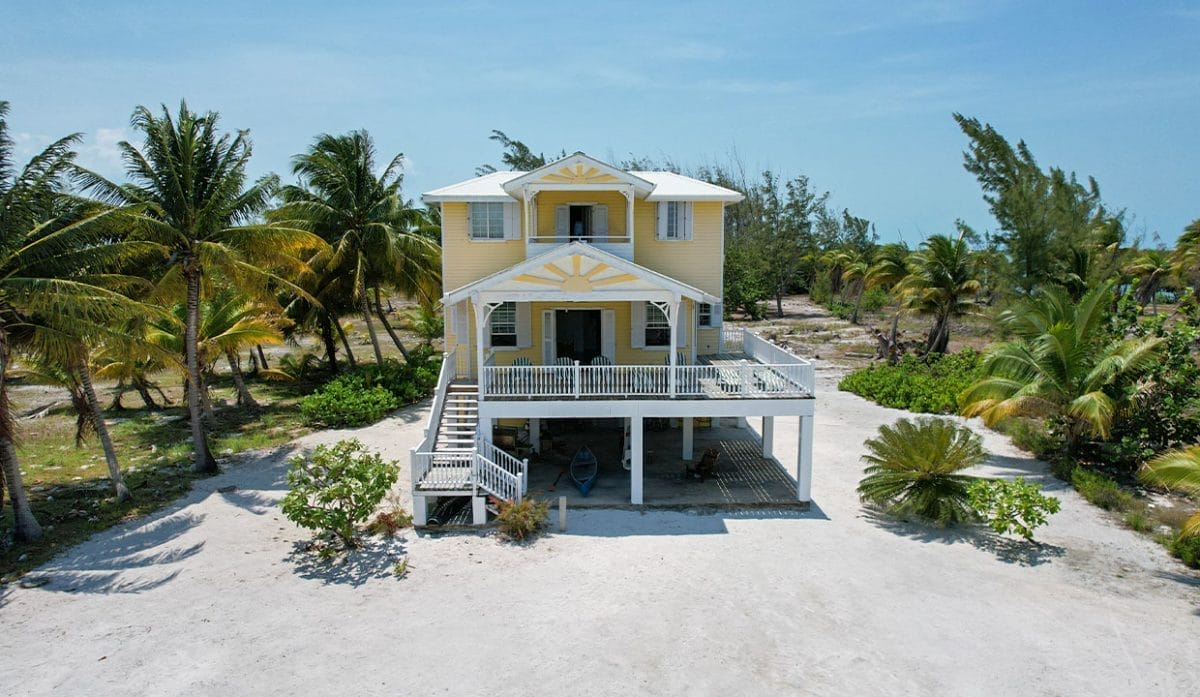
[{"x": 857, "y": 96}]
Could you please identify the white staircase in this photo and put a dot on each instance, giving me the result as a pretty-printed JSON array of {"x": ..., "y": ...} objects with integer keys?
[{"x": 460, "y": 419}]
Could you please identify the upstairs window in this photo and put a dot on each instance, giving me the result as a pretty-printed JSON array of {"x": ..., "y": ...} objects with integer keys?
[
  {"x": 504, "y": 325},
  {"x": 674, "y": 220},
  {"x": 487, "y": 221},
  {"x": 658, "y": 329}
]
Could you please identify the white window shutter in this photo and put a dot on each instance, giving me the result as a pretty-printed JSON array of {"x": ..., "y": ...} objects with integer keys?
[
  {"x": 684, "y": 319},
  {"x": 608, "y": 334},
  {"x": 562, "y": 221},
  {"x": 717, "y": 315},
  {"x": 600, "y": 220},
  {"x": 470, "y": 224},
  {"x": 524, "y": 326},
  {"x": 512, "y": 221},
  {"x": 548, "y": 348},
  {"x": 661, "y": 233},
  {"x": 685, "y": 225},
  {"x": 637, "y": 324}
]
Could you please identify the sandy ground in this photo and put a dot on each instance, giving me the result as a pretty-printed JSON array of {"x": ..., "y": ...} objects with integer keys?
[{"x": 210, "y": 597}]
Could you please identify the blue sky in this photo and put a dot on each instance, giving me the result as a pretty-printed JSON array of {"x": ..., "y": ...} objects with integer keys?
[{"x": 856, "y": 95}]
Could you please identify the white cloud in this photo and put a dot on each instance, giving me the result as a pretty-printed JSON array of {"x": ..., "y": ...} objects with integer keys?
[{"x": 100, "y": 151}]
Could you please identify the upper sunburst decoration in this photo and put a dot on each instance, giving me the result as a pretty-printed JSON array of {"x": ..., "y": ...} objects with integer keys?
[
  {"x": 579, "y": 174},
  {"x": 577, "y": 274}
]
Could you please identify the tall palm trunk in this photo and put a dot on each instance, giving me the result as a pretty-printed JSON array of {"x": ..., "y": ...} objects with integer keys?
[
  {"x": 244, "y": 398},
  {"x": 262, "y": 357},
  {"x": 388, "y": 326},
  {"x": 364, "y": 304},
  {"x": 330, "y": 343},
  {"x": 345, "y": 344},
  {"x": 939, "y": 335},
  {"x": 205, "y": 464},
  {"x": 25, "y": 525},
  {"x": 110, "y": 455}
]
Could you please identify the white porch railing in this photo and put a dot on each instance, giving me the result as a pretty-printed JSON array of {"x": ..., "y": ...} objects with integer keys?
[
  {"x": 765, "y": 352},
  {"x": 421, "y": 465},
  {"x": 497, "y": 480},
  {"x": 442, "y": 471},
  {"x": 731, "y": 339},
  {"x": 510, "y": 464}
]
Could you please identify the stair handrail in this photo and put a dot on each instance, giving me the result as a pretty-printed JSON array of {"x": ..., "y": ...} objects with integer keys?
[
  {"x": 420, "y": 465},
  {"x": 498, "y": 481}
]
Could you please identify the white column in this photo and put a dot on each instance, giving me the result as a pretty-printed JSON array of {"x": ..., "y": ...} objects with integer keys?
[
  {"x": 804, "y": 458},
  {"x": 674, "y": 320},
  {"x": 480, "y": 325},
  {"x": 629, "y": 214},
  {"x": 635, "y": 473},
  {"x": 420, "y": 513},
  {"x": 768, "y": 436},
  {"x": 687, "y": 438},
  {"x": 535, "y": 435},
  {"x": 483, "y": 431},
  {"x": 478, "y": 510}
]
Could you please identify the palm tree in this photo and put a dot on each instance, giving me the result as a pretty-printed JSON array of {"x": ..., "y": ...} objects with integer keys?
[
  {"x": 191, "y": 182},
  {"x": 1185, "y": 261},
  {"x": 1177, "y": 469},
  {"x": 1151, "y": 268},
  {"x": 941, "y": 281},
  {"x": 913, "y": 469},
  {"x": 53, "y": 258},
  {"x": 375, "y": 239},
  {"x": 1060, "y": 367}
]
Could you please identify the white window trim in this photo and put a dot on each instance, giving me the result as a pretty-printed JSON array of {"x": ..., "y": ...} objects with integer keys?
[
  {"x": 688, "y": 221},
  {"x": 646, "y": 328},
  {"x": 508, "y": 220},
  {"x": 516, "y": 332}
]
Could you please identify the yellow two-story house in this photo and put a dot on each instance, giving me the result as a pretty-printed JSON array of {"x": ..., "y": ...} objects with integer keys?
[{"x": 579, "y": 290}]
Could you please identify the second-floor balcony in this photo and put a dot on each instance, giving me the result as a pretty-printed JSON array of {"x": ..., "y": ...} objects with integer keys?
[{"x": 748, "y": 367}]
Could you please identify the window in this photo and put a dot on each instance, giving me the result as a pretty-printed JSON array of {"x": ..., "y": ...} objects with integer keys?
[
  {"x": 674, "y": 220},
  {"x": 705, "y": 311},
  {"x": 504, "y": 325},
  {"x": 658, "y": 329},
  {"x": 487, "y": 221}
]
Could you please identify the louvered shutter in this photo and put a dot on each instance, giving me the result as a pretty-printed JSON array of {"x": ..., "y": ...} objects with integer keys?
[
  {"x": 512, "y": 221},
  {"x": 524, "y": 329},
  {"x": 608, "y": 334},
  {"x": 661, "y": 232},
  {"x": 600, "y": 220},
  {"x": 637, "y": 324},
  {"x": 562, "y": 221}
]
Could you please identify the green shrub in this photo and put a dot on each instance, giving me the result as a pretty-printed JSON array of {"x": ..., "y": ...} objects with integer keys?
[
  {"x": 1139, "y": 521},
  {"x": 912, "y": 469},
  {"x": 1100, "y": 490},
  {"x": 347, "y": 401},
  {"x": 1032, "y": 436},
  {"x": 368, "y": 393},
  {"x": 929, "y": 385},
  {"x": 522, "y": 520},
  {"x": 1187, "y": 550},
  {"x": 336, "y": 487},
  {"x": 1012, "y": 506}
]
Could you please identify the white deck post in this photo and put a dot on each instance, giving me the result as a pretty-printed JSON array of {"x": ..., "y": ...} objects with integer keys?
[
  {"x": 535, "y": 435},
  {"x": 768, "y": 436},
  {"x": 480, "y": 325},
  {"x": 635, "y": 473},
  {"x": 804, "y": 458},
  {"x": 674, "y": 319},
  {"x": 420, "y": 513},
  {"x": 687, "y": 438},
  {"x": 478, "y": 510}
]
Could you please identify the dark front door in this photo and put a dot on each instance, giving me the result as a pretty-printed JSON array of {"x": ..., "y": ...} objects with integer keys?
[{"x": 577, "y": 333}]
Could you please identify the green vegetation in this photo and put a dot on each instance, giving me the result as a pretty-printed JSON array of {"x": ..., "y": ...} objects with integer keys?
[
  {"x": 365, "y": 395},
  {"x": 1178, "y": 469},
  {"x": 930, "y": 385},
  {"x": 1012, "y": 506},
  {"x": 336, "y": 487},
  {"x": 913, "y": 469},
  {"x": 524, "y": 519}
]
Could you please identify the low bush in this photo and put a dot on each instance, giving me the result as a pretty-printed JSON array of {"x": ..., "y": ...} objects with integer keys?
[
  {"x": 1012, "y": 506},
  {"x": 523, "y": 520},
  {"x": 1100, "y": 490},
  {"x": 336, "y": 487},
  {"x": 1138, "y": 520},
  {"x": 929, "y": 385},
  {"x": 1032, "y": 436},
  {"x": 368, "y": 393},
  {"x": 913, "y": 469},
  {"x": 1187, "y": 550}
]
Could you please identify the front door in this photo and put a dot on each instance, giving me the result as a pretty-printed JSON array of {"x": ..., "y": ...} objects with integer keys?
[{"x": 578, "y": 335}]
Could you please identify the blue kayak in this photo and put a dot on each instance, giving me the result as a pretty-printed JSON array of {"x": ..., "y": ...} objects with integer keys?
[{"x": 584, "y": 469}]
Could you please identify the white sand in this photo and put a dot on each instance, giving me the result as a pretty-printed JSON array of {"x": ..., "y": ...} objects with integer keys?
[{"x": 206, "y": 598}]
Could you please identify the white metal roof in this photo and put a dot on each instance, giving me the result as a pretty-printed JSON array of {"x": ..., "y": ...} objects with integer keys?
[{"x": 667, "y": 186}]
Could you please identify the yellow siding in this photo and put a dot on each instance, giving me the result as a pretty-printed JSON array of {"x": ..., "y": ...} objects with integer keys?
[
  {"x": 465, "y": 260},
  {"x": 696, "y": 262}
]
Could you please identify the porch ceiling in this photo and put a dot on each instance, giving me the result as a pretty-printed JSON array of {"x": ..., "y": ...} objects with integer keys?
[{"x": 577, "y": 272}]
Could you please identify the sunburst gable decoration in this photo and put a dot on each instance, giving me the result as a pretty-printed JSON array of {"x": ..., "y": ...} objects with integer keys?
[
  {"x": 579, "y": 174},
  {"x": 580, "y": 275}
]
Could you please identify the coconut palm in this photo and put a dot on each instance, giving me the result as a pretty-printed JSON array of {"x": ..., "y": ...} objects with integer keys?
[
  {"x": 191, "y": 181},
  {"x": 54, "y": 287},
  {"x": 1060, "y": 367},
  {"x": 375, "y": 239},
  {"x": 941, "y": 281},
  {"x": 1151, "y": 267},
  {"x": 1185, "y": 261},
  {"x": 1177, "y": 469},
  {"x": 913, "y": 468}
]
